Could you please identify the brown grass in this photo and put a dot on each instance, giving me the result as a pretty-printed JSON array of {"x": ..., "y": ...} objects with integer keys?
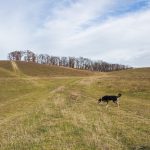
[
  {"x": 59, "y": 113},
  {"x": 33, "y": 69},
  {"x": 6, "y": 65}
]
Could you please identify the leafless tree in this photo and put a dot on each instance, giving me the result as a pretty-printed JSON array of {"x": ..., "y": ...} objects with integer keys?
[
  {"x": 72, "y": 62},
  {"x": 15, "y": 55}
]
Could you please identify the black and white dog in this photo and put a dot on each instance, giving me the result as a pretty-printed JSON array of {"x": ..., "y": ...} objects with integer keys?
[{"x": 107, "y": 98}]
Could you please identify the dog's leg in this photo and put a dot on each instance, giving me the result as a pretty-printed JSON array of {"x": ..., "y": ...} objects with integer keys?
[
  {"x": 117, "y": 104},
  {"x": 107, "y": 105}
]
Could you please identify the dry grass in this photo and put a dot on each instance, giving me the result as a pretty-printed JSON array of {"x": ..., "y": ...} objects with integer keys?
[
  {"x": 63, "y": 113},
  {"x": 33, "y": 69},
  {"x": 6, "y": 74},
  {"x": 6, "y": 65}
]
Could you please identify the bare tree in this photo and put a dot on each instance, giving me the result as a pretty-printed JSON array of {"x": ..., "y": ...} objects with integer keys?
[
  {"x": 64, "y": 61},
  {"x": 29, "y": 56},
  {"x": 72, "y": 62},
  {"x": 15, "y": 55}
]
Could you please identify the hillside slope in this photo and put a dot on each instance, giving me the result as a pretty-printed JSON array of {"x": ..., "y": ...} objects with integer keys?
[
  {"x": 63, "y": 113},
  {"x": 6, "y": 69},
  {"x": 6, "y": 65},
  {"x": 34, "y": 69},
  {"x": 39, "y": 70}
]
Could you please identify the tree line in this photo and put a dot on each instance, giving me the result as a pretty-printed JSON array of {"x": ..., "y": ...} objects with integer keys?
[{"x": 72, "y": 62}]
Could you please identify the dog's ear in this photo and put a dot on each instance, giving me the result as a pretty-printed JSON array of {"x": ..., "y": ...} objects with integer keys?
[{"x": 119, "y": 94}]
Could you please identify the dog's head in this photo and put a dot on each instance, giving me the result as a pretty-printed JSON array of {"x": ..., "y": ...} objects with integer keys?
[
  {"x": 119, "y": 95},
  {"x": 99, "y": 101}
]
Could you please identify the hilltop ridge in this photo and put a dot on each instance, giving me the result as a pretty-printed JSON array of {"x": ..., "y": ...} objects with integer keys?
[{"x": 41, "y": 70}]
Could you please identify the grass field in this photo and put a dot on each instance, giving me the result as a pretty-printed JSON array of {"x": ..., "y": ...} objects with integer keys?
[{"x": 58, "y": 110}]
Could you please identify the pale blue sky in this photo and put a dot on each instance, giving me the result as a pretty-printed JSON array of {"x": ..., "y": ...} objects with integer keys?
[{"x": 115, "y": 31}]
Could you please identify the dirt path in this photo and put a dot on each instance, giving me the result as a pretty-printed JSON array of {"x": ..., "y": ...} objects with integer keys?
[{"x": 15, "y": 67}]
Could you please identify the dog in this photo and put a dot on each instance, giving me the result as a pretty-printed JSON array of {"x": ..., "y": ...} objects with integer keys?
[{"x": 107, "y": 98}]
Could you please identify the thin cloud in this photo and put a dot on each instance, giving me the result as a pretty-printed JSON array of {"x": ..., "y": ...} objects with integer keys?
[{"x": 110, "y": 30}]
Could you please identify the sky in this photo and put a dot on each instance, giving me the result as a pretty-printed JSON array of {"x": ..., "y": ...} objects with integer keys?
[{"x": 115, "y": 31}]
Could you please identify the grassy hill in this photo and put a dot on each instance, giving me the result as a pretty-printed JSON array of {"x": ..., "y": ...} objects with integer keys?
[
  {"x": 59, "y": 113},
  {"x": 41, "y": 70},
  {"x": 34, "y": 69},
  {"x": 6, "y": 65},
  {"x": 6, "y": 69}
]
